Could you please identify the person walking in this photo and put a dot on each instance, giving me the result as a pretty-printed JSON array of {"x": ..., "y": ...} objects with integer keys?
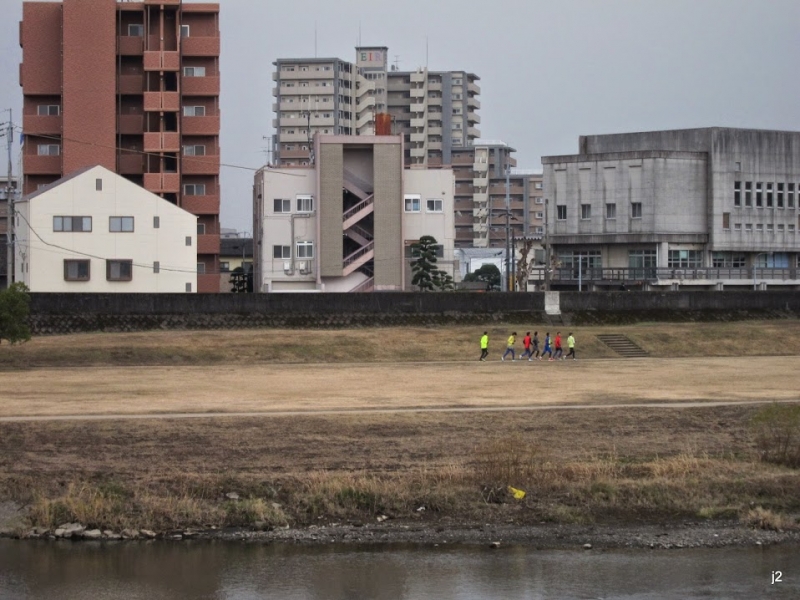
[
  {"x": 512, "y": 339},
  {"x": 559, "y": 353},
  {"x": 484, "y": 345},
  {"x": 571, "y": 346},
  {"x": 535, "y": 346},
  {"x": 526, "y": 342},
  {"x": 547, "y": 349}
]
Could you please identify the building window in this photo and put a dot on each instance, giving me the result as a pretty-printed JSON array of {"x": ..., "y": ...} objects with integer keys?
[
  {"x": 770, "y": 228},
  {"x": 780, "y": 227},
  {"x": 76, "y": 270},
  {"x": 201, "y": 268},
  {"x": 790, "y": 228},
  {"x": 790, "y": 195},
  {"x": 737, "y": 226},
  {"x": 194, "y": 71},
  {"x": 119, "y": 270},
  {"x": 726, "y": 221},
  {"x": 305, "y": 204},
  {"x": 48, "y": 150},
  {"x": 198, "y": 150},
  {"x": 282, "y": 205},
  {"x": 685, "y": 259},
  {"x": 412, "y": 203},
  {"x": 188, "y": 240},
  {"x": 759, "y": 227},
  {"x": 194, "y": 189},
  {"x": 539, "y": 200},
  {"x": 281, "y": 252},
  {"x": 737, "y": 193},
  {"x": 779, "y": 195},
  {"x": 201, "y": 229},
  {"x": 305, "y": 249},
  {"x": 120, "y": 224},
  {"x": 188, "y": 287},
  {"x": 194, "y": 111},
  {"x": 537, "y": 185},
  {"x": 435, "y": 205},
  {"x": 48, "y": 110},
  {"x": 156, "y": 267},
  {"x": 611, "y": 211},
  {"x": 769, "y": 195},
  {"x": 135, "y": 30},
  {"x": 98, "y": 185},
  {"x": 156, "y": 222},
  {"x": 74, "y": 224},
  {"x": 748, "y": 227},
  {"x": 561, "y": 212},
  {"x": 636, "y": 210},
  {"x": 759, "y": 194},
  {"x": 224, "y": 267},
  {"x": 185, "y": 31},
  {"x": 642, "y": 259},
  {"x": 748, "y": 194},
  {"x": 538, "y": 215},
  {"x": 728, "y": 260}
]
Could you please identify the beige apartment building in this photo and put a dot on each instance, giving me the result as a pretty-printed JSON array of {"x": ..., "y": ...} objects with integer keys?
[
  {"x": 348, "y": 223},
  {"x": 434, "y": 111}
]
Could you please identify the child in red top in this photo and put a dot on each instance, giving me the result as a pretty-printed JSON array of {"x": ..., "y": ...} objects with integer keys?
[{"x": 527, "y": 343}]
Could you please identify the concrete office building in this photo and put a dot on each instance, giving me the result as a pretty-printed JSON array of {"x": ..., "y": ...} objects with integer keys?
[
  {"x": 131, "y": 86},
  {"x": 434, "y": 111},
  {"x": 347, "y": 223},
  {"x": 712, "y": 208}
]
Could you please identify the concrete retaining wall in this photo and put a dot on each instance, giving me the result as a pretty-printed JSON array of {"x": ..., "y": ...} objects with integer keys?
[{"x": 68, "y": 313}]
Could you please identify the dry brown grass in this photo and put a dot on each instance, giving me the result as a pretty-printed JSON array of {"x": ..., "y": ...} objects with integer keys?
[{"x": 446, "y": 343}]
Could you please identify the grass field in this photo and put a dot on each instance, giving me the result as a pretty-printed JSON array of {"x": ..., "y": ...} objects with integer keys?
[{"x": 595, "y": 465}]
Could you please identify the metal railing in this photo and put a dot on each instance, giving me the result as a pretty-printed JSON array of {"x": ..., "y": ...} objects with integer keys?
[
  {"x": 367, "y": 235},
  {"x": 660, "y": 274},
  {"x": 365, "y": 286},
  {"x": 357, "y": 207},
  {"x": 351, "y": 258}
]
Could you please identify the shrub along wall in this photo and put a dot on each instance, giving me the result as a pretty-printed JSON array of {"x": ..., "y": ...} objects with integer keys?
[{"x": 68, "y": 313}]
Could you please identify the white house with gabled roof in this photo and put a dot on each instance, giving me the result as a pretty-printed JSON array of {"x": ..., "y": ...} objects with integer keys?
[{"x": 95, "y": 231}]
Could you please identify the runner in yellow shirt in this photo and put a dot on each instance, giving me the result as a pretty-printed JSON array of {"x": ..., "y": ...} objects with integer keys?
[
  {"x": 512, "y": 339},
  {"x": 485, "y": 345},
  {"x": 571, "y": 346}
]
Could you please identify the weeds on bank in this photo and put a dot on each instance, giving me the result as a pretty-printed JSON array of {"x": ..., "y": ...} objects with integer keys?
[{"x": 777, "y": 434}]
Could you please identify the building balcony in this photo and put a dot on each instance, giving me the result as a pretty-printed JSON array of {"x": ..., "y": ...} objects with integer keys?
[
  {"x": 290, "y": 137},
  {"x": 200, "y": 46},
  {"x": 44, "y": 125},
  {"x": 201, "y": 205},
  {"x": 434, "y": 145},
  {"x": 161, "y": 61},
  {"x": 131, "y": 124},
  {"x": 208, "y": 243},
  {"x": 480, "y": 182},
  {"x": 473, "y": 132},
  {"x": 419, "y": 122},
  {"x": 295, "y": 154},
  {"x": 162, "y": 182},
  {"x": 480, "y": 167},
  {"x": 130, "y": 84},
  {"x": 419, "y": 137},
  {"x": 473, "y": 88},
  {"x": 33, "y": 164},
  {"x": 131, "y": 164},
  {"x": 130, "y": 45},
  {"x": 201, "y": 165},
  {"x": 418, "y": 92},
  {"x": 200, "y": 86},
  {"x": 200, "y": 125},
  {"x": 419, "y": 152},
  {"x": 473, "y": 103},
  {"x": 162, "y": 101},
  {"x": 162, "y": 142},
  {"x": 463, "y": 158}
]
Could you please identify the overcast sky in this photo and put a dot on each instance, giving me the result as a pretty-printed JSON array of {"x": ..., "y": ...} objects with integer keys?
[{"x": 550, "y": 70}]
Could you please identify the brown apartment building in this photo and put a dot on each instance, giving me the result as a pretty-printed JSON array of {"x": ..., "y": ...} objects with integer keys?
[{"x": 134, "y": 87}]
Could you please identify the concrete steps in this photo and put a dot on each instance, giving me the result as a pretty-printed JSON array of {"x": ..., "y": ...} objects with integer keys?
[{"x": 622, "y": 345}]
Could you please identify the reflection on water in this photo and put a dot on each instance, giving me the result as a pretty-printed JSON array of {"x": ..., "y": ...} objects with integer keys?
[{"x": 231, "y": 571}]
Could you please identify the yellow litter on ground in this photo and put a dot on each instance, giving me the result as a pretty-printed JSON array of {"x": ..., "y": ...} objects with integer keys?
[{"x": 518, "y": 494}]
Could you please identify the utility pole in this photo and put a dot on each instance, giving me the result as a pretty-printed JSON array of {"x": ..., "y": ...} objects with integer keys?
[
  {"x": 509, "y": 281},
  {"x": 546, "y": 248},
  {"x": 9, "y": 206}
]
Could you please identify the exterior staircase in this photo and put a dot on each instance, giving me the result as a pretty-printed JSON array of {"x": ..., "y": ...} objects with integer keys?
[
  {"x": 364, "y": 191},
  {"x": 622, "y": 345},
  {"x": 358, "y": 258}
]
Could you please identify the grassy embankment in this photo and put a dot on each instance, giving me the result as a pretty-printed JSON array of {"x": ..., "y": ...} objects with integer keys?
[{"x": 591, "y": 466}]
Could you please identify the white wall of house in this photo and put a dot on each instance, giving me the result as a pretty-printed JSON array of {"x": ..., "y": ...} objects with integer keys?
[{"x": 162, "y": 233}]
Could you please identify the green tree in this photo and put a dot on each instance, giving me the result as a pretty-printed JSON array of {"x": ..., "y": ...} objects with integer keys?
[
  {"x": 14, "y": 310},
  {"x": 488, "y": 274},
  {"x": 427, "y": 277}
]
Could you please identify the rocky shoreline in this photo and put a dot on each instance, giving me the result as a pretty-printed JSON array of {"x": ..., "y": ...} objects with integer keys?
[{"x": 678, "y": 535}]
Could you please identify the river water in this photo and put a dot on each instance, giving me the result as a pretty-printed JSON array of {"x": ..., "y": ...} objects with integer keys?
[{"x": 239, "y": 571}]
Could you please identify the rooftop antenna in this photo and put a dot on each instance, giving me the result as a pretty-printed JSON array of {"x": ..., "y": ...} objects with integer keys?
[
  {"x": 359, "y": 34},
  {"x": 396, "y": 62}
]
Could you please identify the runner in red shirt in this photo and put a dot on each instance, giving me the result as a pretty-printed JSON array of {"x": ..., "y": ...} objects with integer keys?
[
  {"x": 527, "y": 343},
  {"x": 559, "y": 351}
]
